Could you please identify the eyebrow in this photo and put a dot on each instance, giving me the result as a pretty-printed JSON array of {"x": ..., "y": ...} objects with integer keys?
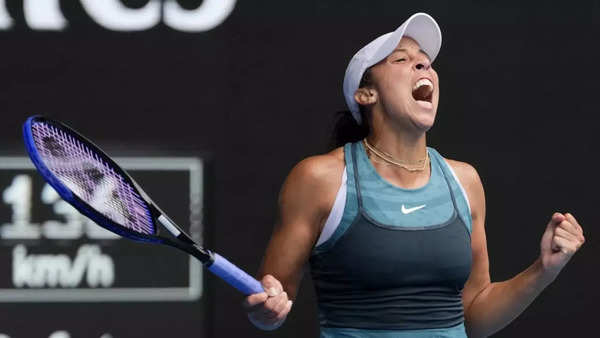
[{"x": 404, "y": 50}]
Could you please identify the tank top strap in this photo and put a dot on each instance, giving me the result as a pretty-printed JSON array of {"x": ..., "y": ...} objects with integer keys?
[
  {"x": 356, "y": 181},
  {"x": 437, "y": 158}
]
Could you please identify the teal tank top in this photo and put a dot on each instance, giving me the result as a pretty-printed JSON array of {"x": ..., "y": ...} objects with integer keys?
[{"x": 396, "y": 264}]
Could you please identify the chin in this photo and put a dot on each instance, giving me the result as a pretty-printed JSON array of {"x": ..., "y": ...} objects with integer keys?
[
  {"x": 424, "y": 121},
  {"x": 424, "y": 127}
]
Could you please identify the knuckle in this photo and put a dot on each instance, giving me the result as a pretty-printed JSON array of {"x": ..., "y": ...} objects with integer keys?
[{"x": 268, "y": 279}]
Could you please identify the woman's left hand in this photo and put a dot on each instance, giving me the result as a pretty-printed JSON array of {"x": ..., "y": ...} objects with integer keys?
[{"x": 562, "y": 238}]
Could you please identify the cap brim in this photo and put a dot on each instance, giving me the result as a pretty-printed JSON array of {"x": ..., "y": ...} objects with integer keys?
[{"x": 422, "y": 28}]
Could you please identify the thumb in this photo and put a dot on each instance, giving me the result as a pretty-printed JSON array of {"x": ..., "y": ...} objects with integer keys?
[
  {"x": 272, "y": 286},
  {"x": 557, "y": 217}
]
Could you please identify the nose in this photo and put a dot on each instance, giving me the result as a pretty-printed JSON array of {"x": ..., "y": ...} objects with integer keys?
[{"x": 423, "y": 65}]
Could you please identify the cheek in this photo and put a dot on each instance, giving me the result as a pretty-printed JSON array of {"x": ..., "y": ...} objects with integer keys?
[
  {"x": 398, "y": 85},
  {"x": 392, "y": 91},
  {"x": 437, "y": 80},
  {"x": 437, "y": 85}
]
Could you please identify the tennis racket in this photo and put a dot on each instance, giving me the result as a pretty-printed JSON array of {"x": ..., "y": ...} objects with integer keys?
[{"x": 89, "y": 180}]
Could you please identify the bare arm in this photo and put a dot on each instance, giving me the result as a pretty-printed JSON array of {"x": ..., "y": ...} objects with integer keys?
[
  {"x": 491, "y": 306},
  {"x": 304, "y": 203}
]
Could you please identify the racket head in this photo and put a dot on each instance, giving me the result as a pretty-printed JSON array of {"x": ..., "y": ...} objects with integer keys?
[{"x": 88, "y": 179}]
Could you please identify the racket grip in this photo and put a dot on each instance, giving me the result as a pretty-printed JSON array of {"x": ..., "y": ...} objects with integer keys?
[{"x": 235, "y": 276}]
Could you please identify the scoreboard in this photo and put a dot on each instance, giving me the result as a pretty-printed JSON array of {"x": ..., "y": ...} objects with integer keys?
[{"x": 54, "y": 259}]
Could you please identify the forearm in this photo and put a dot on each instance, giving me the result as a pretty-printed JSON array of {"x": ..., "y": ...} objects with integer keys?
[{"x": 500, "y": 303}]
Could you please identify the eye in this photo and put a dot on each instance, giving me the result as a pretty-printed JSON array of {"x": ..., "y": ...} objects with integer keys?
[{"x": 400, "y": 60}]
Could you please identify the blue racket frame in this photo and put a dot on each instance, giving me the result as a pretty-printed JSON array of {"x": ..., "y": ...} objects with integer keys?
[
  {"x": 68, "y": 195},
  {"x": 211, "y": 260}
]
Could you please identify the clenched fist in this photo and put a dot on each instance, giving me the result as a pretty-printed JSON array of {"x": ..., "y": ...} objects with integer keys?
[
  {"x": 268, "y": 310},
  {"x": 562, "y": 238}
]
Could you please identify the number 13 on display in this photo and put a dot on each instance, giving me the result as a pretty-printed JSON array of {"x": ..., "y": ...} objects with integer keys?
[{"x": 19, "y": 197}]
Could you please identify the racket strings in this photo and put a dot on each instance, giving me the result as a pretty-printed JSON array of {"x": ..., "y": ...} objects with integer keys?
[{"x": 91, "y": 178}]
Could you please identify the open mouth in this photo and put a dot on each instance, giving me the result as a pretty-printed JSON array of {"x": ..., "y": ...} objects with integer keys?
[{"x": 422, "y": 92}]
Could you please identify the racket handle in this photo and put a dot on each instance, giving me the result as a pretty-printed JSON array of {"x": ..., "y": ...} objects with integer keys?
[{"x": 235, "y": 276}]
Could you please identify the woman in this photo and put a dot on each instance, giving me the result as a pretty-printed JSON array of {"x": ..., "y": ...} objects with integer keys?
[{"x": 394, "y": 232}]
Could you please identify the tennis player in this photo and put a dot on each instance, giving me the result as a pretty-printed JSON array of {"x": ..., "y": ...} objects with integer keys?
[{"x": 394, "y": 232}]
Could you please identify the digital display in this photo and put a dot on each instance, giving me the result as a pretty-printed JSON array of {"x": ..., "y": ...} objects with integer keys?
[{"x": 50, "y": 253}]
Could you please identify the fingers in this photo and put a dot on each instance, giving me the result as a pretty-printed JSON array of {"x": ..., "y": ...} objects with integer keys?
[
  {"x": 570, "y": 225},
  {"x": 272, "y": 289},
  {"x": 574, "y": 225},
  {"x": 272, "y": 312},
  {"x": 254, "y": 300},
  {"x": 567, "y": 247},
  {"x": 557, "y": 217},
  {"x": 284, "y": 312},
  {"x": 564, "y": 241},
  {"x": 561, "y": 232},
  {"x": 568, "y": 235},
  {"x": 268, "y": 309},
  {"x": 272, "y": 285},
  {"x": 568, "y": 222},
  {"x": 274, "y": 306}
]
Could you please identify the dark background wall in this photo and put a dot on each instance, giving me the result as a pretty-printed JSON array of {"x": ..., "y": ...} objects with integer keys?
[{"x": 256, "y": 94}]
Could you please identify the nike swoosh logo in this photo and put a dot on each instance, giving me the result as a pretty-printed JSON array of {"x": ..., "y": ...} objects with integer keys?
[{"x": 413, "y": 209}]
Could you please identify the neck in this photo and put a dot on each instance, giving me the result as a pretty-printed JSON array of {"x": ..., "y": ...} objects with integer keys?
[{"x": 401, "y": 145}]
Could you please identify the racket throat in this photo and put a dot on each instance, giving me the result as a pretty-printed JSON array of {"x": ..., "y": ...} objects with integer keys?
[
  {"x": 169, "y": 225},
  {"x": 205, "y": 256}
]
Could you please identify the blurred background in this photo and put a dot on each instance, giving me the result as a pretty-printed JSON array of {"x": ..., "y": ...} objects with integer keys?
[{"x": 211, "y": 103}]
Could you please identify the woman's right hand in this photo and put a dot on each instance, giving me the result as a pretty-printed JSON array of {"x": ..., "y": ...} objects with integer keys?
[{"x": 268, "y": 310}]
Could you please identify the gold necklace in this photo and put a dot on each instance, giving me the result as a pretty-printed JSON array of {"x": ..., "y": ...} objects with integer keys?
[{"x": 418, "y": 166}]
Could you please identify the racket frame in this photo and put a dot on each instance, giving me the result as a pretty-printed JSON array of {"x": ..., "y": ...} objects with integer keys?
[
  {"x": 156, "y": 215},
  {"x": 214, "y": 262}
]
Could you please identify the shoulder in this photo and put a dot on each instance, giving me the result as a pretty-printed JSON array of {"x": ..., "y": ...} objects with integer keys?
[
  {"x": 466, "y": 173},
  {"x": 319, "y": 169},
  {"x": 471, "y": 182},
  {"x": 316, "y": 178}
]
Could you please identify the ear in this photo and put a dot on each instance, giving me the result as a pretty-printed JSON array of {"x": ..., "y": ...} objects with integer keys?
[{"x": 365, "y": 96}]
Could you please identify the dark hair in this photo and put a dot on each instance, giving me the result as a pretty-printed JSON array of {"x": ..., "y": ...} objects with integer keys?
[{"x": 345, "y": 128}]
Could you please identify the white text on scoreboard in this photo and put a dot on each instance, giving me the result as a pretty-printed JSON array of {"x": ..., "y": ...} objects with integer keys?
[{"x": 53, "y": 253}]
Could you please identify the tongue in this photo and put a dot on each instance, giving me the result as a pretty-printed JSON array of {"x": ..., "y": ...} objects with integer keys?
[{"x": 421, "y": 93}]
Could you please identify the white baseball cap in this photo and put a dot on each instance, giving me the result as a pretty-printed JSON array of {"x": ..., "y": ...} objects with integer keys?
[{"x": 420, "y": 26}]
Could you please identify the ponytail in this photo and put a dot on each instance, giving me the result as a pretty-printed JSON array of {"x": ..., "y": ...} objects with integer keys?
[{"x": 346, "y": 129}]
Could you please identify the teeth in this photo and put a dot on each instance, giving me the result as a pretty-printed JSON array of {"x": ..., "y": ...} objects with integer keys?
[{"x": 423, "y": 82}]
